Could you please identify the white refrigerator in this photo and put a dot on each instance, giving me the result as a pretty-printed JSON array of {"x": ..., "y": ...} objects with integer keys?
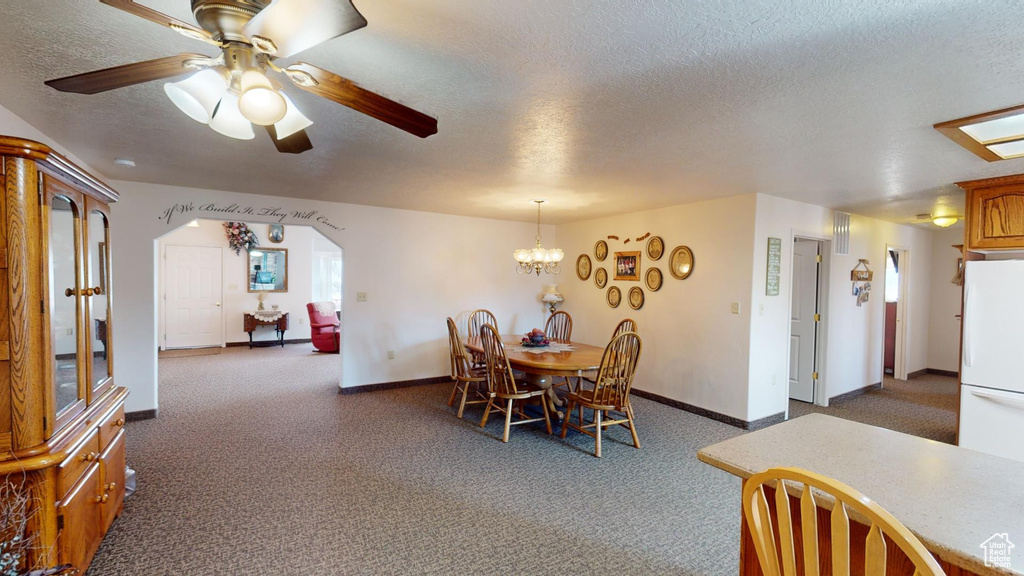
[{"x": 992, "y": 373}]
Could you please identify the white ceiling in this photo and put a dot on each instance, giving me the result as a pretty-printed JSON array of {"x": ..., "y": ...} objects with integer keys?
[{"x": 598, "y": 106}]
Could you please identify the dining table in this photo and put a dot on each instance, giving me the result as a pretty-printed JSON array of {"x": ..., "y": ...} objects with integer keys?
[{"x": 563, "y": 358}]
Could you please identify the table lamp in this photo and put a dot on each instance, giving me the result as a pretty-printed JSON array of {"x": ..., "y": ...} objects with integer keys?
[{"x": 551, "y": 296}]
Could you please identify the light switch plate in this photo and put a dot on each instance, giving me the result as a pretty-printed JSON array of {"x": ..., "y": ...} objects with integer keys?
[
  {"x": 360, "y": 296},
  {"x": 233, "y": 287},
  {"x": 735, "y": 307}
]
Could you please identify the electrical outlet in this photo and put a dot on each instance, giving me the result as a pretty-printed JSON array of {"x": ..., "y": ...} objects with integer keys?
[
  {"x": 302, "y": 320},
  {"x": 391, "y": 354},
  {"x": 735, "y": 307},
  {"x": 760, "y": 311},
  {"x": 71, "y": 331},
  {"x": 360, "y": 296}
]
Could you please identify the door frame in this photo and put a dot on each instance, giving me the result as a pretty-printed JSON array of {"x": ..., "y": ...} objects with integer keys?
[
  {"x": 824, "y": 308},
  {"x": 162, "y": 296},
  {"x": 899, "y": 369}
]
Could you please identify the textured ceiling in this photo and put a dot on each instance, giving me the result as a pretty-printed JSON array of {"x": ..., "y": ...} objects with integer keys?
[{"x": 599, "y": 106}]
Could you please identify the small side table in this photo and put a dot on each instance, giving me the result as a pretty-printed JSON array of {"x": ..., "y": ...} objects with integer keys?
[{"x": 280, "y": 325}]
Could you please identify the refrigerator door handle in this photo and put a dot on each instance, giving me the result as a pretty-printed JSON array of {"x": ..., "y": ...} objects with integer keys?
[
  {"x": 1001, "y": 398},
  {"x": 969, "y": 295}
]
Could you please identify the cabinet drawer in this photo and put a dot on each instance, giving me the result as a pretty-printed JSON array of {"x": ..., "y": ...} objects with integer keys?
[
  {"x": 77, "y": 463},
  {"x": 110, "y": 426}
]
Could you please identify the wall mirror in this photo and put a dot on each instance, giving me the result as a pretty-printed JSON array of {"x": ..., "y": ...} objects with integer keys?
[{"x": 268, "y": 270}]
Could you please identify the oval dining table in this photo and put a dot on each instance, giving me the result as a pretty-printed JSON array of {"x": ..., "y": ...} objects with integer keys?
[{"x": 541, "y": 365}]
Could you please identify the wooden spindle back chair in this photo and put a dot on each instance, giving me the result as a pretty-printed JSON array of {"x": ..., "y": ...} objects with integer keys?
[
  {"x": 559, "y": 326},
  {"x": 627, "y": 325},
  {"x": 763, "y": 530},
  {"x": 464, "y": 375},
  {"x": 610, "y": 391},
  {"x": 477, "y": 320},
  {"x": 504, "y": 390}
]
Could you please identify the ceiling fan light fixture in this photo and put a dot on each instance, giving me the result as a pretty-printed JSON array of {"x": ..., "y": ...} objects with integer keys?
[
  {"x": 293, "y": 120},
  {"x": 229, "y": 120},
  {"x": 260, "y": 103},
  {"x": 197, "y": 96}
]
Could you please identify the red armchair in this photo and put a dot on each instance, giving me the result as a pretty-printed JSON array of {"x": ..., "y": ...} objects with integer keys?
[{"x": 324, "y": 326}]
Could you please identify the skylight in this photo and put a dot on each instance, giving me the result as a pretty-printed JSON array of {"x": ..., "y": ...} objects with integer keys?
[{"x": 993, "y": 136}]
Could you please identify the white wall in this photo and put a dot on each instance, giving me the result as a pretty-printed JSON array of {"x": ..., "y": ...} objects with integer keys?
[
  {"x": 944, "y": 327},
  {"x": 694, "y": 349},
  {"x": 12, "y": 125},
  {"x": 237, "y": 300},
  {"x": 416, "y": 267},
  {"x": 855, "y": 334}
]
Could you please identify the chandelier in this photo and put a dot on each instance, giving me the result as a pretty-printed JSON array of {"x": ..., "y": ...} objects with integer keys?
[{"x": 537, "y": 259}]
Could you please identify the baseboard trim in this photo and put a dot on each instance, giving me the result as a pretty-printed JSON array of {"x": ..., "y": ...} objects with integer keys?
[
  {"x": 855, "y": 393},
  {"x": 711, "y": 414},
  {"x": 140, "y": 415},
  {"x": 950, "y": 373},
  {"x": 917, "y": 373},
  {"x": 392, "y": 385},
  {"x": 262, "y": 343}
]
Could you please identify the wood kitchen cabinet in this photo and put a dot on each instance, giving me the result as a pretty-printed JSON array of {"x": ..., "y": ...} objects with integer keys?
[
  {"x": 62, "y": 439},
  {"x": 995, "y": 213}
]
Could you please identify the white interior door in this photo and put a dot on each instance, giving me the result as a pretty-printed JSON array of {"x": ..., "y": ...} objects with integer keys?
[
  {"x": 192, "y": 297},
  {"x": 803, "y": 325}
]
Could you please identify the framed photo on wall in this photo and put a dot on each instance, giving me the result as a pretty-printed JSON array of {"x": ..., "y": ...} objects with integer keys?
[
  {"x": 276, "y": 233},
  {"x": 627, "y": 265}
]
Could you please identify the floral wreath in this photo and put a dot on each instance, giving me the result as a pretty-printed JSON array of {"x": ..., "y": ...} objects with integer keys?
[{"x": 240, "y": 237}]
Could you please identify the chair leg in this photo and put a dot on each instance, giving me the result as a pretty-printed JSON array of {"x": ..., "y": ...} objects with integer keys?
[
  {"x": 547, "y": 415},
  {"x": 487, "y": 411},
  {"x": 632, "y": 426},
  {"x": 462, "y": 405},
  {"x": 597, "y": 433},
  {"x": 451, "y": 399},
  {"x": 565, "y": 421},
  {"x": 508, "y": 420}
]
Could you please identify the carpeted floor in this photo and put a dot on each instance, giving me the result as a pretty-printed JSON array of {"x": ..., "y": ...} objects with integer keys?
[
  {"x": 924, "y": 406},
  {"x": 257, "y": 466}
]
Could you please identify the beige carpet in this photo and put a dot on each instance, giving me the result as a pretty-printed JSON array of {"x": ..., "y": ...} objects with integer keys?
[
  {"x": 189, "y": 352},
  {"x": 257, "y": 466}
]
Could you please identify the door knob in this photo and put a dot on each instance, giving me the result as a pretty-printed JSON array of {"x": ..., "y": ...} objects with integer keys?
[{"x": 218, "y": 304}]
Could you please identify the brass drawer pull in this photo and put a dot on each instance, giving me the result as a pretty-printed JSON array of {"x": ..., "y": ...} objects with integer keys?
[
  {"x": 102, "y": 499},
  {"x": 119, "y": 422},
  {"x": 110, "y": 487},
  {"x": 87, "y": 457}
]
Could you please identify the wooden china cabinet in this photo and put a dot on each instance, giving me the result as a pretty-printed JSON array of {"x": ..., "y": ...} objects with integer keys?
[{"x": 61, "y": 415}]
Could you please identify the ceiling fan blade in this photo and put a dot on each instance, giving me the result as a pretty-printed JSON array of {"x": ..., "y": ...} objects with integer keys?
[
  {"x": 162, "y": 19},
  {"x": 127, "y": 75},
  {"x": 346, "y": 92},
  {"x": 295, "y": 144},
  {"x": 295, "y": 25}
]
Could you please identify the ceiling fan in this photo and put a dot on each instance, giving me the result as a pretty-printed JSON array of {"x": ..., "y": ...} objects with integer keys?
[{"x": 232, "y": 91}]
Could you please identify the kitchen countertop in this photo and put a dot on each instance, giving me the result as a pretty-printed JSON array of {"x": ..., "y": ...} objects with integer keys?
[{"x": 952, "y": 498}]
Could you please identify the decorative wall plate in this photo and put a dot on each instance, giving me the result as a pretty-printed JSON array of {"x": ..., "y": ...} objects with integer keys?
[
  {"x": 583, "y": 267},
  {"x": 680, "y": 264},
  {"x": 653, "y": 279},
  {"x": 636, "y": 298},
  {"x": 614, "y": 296},
  {"x": 655, "y": 248},
  {"x": 600, "y": 277},
  {"x": 601, "y": 250}
]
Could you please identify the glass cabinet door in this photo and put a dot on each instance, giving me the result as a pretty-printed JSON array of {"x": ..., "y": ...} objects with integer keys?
[
  {"x": 64, "y": 245},
  {"x": 97, "y": 297}
]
